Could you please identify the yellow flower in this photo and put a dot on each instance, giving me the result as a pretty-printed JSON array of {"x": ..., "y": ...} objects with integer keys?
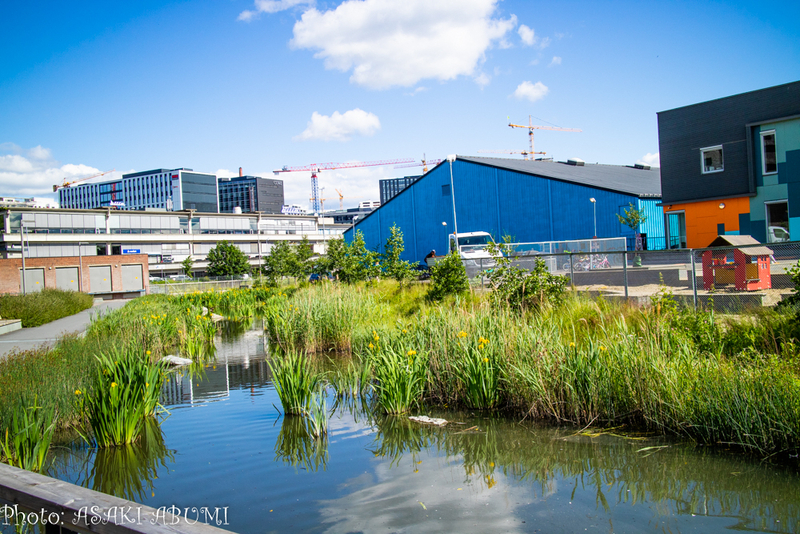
[
  {"x": 113, "y": 384},
  {"x": 485, "y": 360},
  {"x": 480, "y": 347},
  {"x": 412, "y": 352},
  {"x": 572, "y": 344},
  {"x": 371, "y": 346},
  {"x": 77, "y": 392},
  {"x": 147, "y": 384},
  {"x": 377, "y": 338},
  {"x": 462, "y": 334},
  {"x": 147, "y": 352},
  {"x": 602, "y": 348},
  {"x": 405, "y": 331}
]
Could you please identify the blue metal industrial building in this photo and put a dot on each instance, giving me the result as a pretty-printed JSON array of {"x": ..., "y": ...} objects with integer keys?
[{"x": 530, "y": 201}]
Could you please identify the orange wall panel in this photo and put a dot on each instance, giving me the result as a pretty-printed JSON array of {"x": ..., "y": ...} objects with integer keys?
[{"x": 702, "y": 218}]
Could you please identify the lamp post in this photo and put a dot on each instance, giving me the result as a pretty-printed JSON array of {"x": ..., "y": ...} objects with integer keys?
[
  {"x": 594, "y": 206},
  {"x": 22, "y": 244},
  {"x": 446, "y": 242},
  {"x": 80, "y": 267},
  {"x": 451, "y": 158},
  {"x": 322, "y": 200}
]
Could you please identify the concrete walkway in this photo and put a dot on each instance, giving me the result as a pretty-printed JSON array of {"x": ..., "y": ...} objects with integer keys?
[{"x": 47, "y": 334}]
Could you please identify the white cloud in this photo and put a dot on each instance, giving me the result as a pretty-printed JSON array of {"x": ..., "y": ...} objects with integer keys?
[
  {"x": 543, "y": 43},
  {"x": 340, "y": 126},
  {"x": 416, "y": 91},
  {"x": 25, "y": 173},
  {"x": 400, "y": 42},
  {"x": 531, "y": 91},
  {"x": 270, "y": 6},
  {"x": 650, "y": 159},
  {"x": 527, "y": 35},
  {"x": 225, "y": 173},
  {"x": 555, "y": 61},
  {"x": 483, "y": 79}
]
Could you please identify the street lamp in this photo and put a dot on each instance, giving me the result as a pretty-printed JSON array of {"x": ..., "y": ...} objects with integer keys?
[
  {"x": 451, "y": 158},
  {"x": 594, "y": 205},
  {"x": 80, "y": 268},
  {"x": 446, "y": 242}
]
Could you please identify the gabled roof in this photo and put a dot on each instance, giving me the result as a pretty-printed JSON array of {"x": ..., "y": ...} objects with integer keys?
[
  {"x": 744, "y": 243},
  {"x": 619, "y": 178}
]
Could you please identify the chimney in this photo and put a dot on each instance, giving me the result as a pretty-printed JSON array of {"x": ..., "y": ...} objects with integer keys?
[{"x": 240, "y": 172}]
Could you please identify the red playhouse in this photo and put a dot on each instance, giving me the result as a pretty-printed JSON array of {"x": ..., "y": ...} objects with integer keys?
[{"x": 748, "y": 270}]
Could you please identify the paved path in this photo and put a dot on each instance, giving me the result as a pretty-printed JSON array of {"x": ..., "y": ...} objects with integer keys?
[{"x": 47, "y": 334}]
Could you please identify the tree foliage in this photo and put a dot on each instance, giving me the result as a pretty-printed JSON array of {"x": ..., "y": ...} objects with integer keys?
[
  {"x": 400, "y": 270},
  {"x": 186, "y": 265},
  {"x": 448, "y": 277},
  {"x": 227, "y": 259},
  {"x": 357, "y": 263}
]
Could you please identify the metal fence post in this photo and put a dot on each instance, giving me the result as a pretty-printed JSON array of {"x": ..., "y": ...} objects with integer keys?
[
  {"x": 625, "y": 272},
  {"x": 694, "y": 281},
  {"x": 571, "y": 271}
]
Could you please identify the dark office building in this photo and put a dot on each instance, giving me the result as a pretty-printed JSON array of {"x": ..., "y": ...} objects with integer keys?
[
  {"x": 251, "y": 194},
  {"x": 392, "y": 186}
]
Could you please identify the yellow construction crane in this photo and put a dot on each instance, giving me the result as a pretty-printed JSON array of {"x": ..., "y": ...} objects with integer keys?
[
  {"x": 523, "y": 152},
  {"x": 67, "y": 184},
  {"x": 531, "y": 127}
]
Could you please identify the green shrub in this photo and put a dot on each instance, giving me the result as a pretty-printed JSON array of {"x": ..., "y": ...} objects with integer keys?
[
  {"x": 524, "y": 289},
  {"x": 448, "y": 277},
  {"x": 36, "y": 309}
]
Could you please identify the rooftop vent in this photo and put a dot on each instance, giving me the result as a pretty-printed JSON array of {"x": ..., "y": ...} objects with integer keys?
[
  {"x": 576, "y": 161},
  {"x": 642, "y": 166}
]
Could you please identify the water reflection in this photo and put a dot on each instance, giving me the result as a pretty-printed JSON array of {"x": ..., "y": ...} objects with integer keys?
[
  {"x": 129, "y": 471},
  {"x": 297, "y": 447}
]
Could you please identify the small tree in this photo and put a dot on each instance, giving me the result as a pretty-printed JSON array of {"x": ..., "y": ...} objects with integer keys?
[
  {"x": 359, "y": 264},
  {"x": 401, "y": 270},
  {"x": 302, "y": 252},
  {"x": 448, "y": 277},
  {"x": 227, "y": 259},
  {"x": 634, "y": 218},
  {"x": 186, "y": 265},
  {"x": 280, "y": 261}
]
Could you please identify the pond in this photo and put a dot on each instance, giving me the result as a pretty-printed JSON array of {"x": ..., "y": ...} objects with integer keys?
[{"x": 225, "y": 444}]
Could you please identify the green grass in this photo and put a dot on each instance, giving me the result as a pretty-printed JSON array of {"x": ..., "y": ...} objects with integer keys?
[
  {"x": 25, "y": 443},
  {"x": 36, "y": 309},
  {"x": 715, "y": 379}
]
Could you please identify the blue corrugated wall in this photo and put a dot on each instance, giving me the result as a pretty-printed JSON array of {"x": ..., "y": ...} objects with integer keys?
[{"x": 501, "y": 202}]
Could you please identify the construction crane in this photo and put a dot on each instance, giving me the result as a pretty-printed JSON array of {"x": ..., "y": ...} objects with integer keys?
[
  {"x": 424, "y": 163},
  {"x": 68, "y": 184},
  {"x": 523, "y": 152},
  {"x": 342, "y": 197},
  {"x": 531, "y": 127},
  {"x": 315, "y": 169}
]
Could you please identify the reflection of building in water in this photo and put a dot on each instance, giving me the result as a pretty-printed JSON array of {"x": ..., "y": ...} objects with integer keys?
[{"x": 239, "y": 364}]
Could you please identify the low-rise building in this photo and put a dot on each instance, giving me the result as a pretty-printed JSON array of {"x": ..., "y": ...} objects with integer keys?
[
  {"x": 731, "y": 166},
  {"x": 166, "y": 237},
  {"x": 250, "y": 194}
]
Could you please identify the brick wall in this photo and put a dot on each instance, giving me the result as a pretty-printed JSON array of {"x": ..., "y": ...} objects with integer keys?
[{"x": 10, "y": 271}]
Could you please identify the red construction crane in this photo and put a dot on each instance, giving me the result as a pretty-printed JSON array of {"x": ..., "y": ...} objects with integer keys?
[
  {"x": 424, "y": 163},
  {"x": 67, "y": 184},
  {"x": 523, "y": 152},
  {"x": 315, "y": 168},
  {"x": 530, "y": 127}
]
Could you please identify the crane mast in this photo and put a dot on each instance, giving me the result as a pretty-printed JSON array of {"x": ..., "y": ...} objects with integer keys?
[{"x": 531, "y": 127}]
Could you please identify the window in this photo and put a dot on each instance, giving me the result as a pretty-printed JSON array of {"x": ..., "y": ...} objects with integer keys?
[
  {"x": 446, "y": 190},
  {"x": 777, "y": 221},
  {"x": 769, "y": 158},
  {"x": 712, "y": 159}
]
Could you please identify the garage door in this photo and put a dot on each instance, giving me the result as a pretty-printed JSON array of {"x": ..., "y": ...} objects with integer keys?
[
  {"x": 100, "y": 279},
  {"x": 34, "y": 280},
  {"x": 132, "y": 278},
  {"x": 67, "y": 278}
]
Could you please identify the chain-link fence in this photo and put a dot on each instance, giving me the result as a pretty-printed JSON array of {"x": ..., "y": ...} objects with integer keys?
[
  {"x": 726, "y": 278},
  {"x": 180, "y": 287}
]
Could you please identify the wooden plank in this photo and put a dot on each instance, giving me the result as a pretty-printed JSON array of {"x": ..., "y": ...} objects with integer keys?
[{"x": 86, "y": 510}]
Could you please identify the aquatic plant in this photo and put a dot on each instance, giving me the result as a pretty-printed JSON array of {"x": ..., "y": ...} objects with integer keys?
[
  {"x": 478, "y": 369},
  {"x": 295, "y": 381},
  {"x": 400, "y": 376},
  {"x": 26, "y": 442},
  {"x": 125, "y": 391},
  {"x": 317, "y": 415}
]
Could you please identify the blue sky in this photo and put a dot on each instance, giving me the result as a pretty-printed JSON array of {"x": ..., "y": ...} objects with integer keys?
[{"x": 218, "y": 84}]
